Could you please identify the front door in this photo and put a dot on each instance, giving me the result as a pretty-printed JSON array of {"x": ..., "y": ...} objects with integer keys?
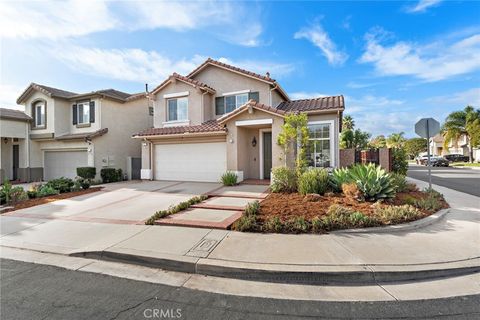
[
  {"x": 16, "y": 161},
  {"x": 267, "y": 154}
]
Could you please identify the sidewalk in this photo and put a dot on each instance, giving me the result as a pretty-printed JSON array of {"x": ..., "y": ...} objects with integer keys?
[{"x": 449, "y": 246}]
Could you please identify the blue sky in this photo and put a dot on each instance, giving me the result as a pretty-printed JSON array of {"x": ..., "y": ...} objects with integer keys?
[{"x": 394, "y": 61}]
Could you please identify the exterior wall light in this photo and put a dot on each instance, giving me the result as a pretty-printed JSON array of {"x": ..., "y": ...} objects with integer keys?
[{"x": 254, "y": 142}]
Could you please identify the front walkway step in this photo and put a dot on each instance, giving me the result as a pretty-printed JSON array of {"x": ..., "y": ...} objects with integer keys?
[
  {"x": 225, "y": 203},
  {"x": 241, "y": 191},
  {"x": 204, "y": 218}
]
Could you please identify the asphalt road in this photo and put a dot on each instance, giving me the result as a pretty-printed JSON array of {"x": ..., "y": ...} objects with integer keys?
[
  {"x": 32, "y": 291},
  {"x": 460, "y": 179}
]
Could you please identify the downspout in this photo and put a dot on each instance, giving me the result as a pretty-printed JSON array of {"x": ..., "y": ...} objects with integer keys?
[
  {"x": 27, "y": 151},
  {"x": 203, "y": 106},
  {"x": 271, "y": 100},
  {"x": 151, "y": 158}
]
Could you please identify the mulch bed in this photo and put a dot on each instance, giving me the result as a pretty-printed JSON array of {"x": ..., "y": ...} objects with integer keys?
[
  {"x": 38, "y": 201},
  {"x": 292, "y": 205}
]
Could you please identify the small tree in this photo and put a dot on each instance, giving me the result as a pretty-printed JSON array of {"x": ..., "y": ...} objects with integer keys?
[
  {"x": 413, "y": 147},
  {"x": 357, "y": 139},
  {"x": 396, "y": 140},
  {"x": 294, "y": 138},
  {"x": 378, "y": 142}
]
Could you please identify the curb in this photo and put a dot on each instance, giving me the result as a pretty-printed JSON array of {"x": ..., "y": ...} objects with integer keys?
[
  {"x": 431, "y": 219},
  {"x": 292, "y": 274}
]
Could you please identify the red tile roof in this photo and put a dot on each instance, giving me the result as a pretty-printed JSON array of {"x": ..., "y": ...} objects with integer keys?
[
  {"x": 318, "y": 104},
  {"x": 252, "y": 104},
  {"x": 209, "y": 126},
  {"x": 227, "y": 66},
  {"x": 194, "y": 83}
]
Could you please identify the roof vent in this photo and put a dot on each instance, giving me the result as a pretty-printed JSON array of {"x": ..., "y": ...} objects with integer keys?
[{"x": 267, "y": 74}]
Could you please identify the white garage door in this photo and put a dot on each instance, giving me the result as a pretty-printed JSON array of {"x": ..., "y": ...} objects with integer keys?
[
  {"x": 63, "y": 163},
  {"x": 190, "y": 161}
]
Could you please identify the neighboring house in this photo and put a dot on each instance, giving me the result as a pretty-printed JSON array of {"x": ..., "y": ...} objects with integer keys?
[
  {"x": 69, "y": 130},
  {"x": 220, "y": 117},
  {"x": 14, "y": 130},
  {"x": 462, "y": 146},
  {"x": 436, "y": 145}
]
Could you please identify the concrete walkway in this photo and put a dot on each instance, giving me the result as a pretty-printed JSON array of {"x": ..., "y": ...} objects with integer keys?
[{"x": 449, "y": 246}]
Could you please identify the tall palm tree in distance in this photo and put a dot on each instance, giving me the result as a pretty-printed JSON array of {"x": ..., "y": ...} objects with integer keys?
[{"x": 348, "y": 123}]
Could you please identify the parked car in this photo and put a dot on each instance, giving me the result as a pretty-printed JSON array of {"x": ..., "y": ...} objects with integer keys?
[
  {"x": 438, "y": 162},
  {"x": 456, "y": 158},
  {"x": 420, "y": 159}
]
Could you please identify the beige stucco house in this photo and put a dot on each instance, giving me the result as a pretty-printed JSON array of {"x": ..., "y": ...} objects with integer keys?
[
  {"x": 64, "y": 130},
  {"x": 220, "y": 117}
]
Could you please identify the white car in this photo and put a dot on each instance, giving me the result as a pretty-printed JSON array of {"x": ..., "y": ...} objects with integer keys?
[{"x": 421, "y": 159}]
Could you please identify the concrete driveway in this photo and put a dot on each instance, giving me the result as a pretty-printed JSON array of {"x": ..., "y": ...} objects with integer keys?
[{"x": 129, "y": 202}]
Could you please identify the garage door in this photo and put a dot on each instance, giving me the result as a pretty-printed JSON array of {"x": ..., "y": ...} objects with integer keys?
[
  {"x": 63, "y": 163},
  {"x": 190, "y": 161}
]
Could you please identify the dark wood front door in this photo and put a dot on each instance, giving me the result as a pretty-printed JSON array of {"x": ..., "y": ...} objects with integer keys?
[
  {"x": 267, "y": 154},
  {"x": 16, "y": 161}
]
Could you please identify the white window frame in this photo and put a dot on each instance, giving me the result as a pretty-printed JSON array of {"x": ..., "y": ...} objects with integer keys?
[
  {"x": 168, "y": 111},
  {"x": 39, "y": 116},
  {"x": 237, "y": 103},
  {"x": 85, "y": 105},
  {"x": 333, "y": 152}
]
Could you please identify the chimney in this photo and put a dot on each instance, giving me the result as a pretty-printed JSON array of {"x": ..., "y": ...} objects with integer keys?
[
  {"x": 146, "y": 87},
  {"x": 267, "y": 74}
]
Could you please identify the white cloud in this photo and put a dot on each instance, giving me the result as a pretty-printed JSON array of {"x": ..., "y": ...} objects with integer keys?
[
  {"x": 422, "y": 6},
  {"x": 360, "y": 85},
  {"x": 306, "y": 95},
  {"x": 459, "y": 99},
  {"x": 230, "y": 21},
  {"x": 320, "y": 38},
  {"x": 430, "y": 62},
  {"x": 9, "y": 94},
  {"x": 147, "y": 66},
  {"x": 54, "y": 19}
]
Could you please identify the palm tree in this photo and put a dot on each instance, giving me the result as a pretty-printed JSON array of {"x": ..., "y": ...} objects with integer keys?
[
  {"x": 396, "y": 140},
  {"x": 460, "y": 123},
  {"x": 348, "y": 123}
]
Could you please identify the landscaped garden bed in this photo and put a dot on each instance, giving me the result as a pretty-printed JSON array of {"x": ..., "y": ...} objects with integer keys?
[
  {"x": 317, "y": 202},
  {"x": 15, "y": 197}
]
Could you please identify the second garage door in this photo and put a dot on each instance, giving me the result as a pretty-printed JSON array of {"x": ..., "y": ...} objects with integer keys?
[
  {"x": 190, "y": 161},
  {"x": 63, "y": 163}
]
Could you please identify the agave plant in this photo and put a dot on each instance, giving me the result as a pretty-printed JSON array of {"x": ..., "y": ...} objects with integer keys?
[
  {"x": 339, "y": 177},
  {"x": 373, "y": 181}
]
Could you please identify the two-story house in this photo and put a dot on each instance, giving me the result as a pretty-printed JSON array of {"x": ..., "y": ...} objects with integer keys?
[
  {"x": 68, "y": 130},
  {"x": 220, "y": 117}
]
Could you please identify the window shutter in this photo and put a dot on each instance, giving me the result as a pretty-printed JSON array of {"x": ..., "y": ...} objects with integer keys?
[
  {"x": 34, "y": 122},
  {"x": 254, "y": 95},
  {"x": 74, "y": 114},
  {"x": 219, "y": 105},
  {"x": 92, "y": 111}
]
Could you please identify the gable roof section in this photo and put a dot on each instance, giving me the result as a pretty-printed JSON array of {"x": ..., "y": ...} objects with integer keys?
[
  {"x": 251, "y": 104},
  {"x": 211, "y": 126},
  {"x": 187, "y": 80},
  {"x": 323, "y": 104},
  {"x": 11, "y": 114},
  {"x": 63, "y": 94},
  {"x": 264, "y": 78}
]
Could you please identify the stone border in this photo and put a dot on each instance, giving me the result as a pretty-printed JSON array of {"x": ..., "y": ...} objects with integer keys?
[{"x": 409, "y": 226}]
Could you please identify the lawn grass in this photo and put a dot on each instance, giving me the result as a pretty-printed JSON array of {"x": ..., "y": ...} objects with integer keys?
[{"x": 465, "y": 164}]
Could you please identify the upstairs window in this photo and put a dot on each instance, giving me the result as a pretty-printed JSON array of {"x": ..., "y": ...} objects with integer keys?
[
  {"x": 83, "y": 112},
  {"x": 177, "y": 109},
  {"x": 229, "y": 103},
  {"x": 39, "y": 114}
]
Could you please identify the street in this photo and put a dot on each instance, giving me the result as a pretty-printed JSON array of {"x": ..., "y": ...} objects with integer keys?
[
  {"x": 460, "y": 179},
  {"x": 34, "y": 291}
]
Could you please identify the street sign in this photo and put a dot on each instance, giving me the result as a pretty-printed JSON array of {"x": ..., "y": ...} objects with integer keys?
[{"x": 427, "y": 128}]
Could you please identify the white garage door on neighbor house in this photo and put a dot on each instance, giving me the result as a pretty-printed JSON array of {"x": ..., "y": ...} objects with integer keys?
[
  {"x": 190, "y": 161},
  {"x": 63, "y": 163}
]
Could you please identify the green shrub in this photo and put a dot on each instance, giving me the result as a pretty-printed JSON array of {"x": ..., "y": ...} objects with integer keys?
[
  {"x": 17, "y": 194},
  {"x": 339, "y": 177},
  {"x": 340, "y": 217},
  {"x": 111, "y": 175},
  {"x": 432, "y": 202},
  {"x": 5, "y": 192},
  {"x": 87, "y": 172},
  {"x": 46, "y": 190},
  {"x": 246, "y": 223},
  {"x": 229, "y": 178},
  {"x": 317, "y": 225},
  {"x": 273, "y": 224},
  {"x": 372, "y": 181},
  {"x": 399, "y": 161},
  {"x": 32, "y": 194},
  {"x": 283, "y": 180},
  {"x": 252, "y": 208},
  {"x": 395, "y": 214},
  {"x": 61, "y": 184},
  {"x": 399, "y": 182},
  {"x": 313, "y": 181},
  {"x": 175, "y": 209},
  {"x": 300, "y": 225}
]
